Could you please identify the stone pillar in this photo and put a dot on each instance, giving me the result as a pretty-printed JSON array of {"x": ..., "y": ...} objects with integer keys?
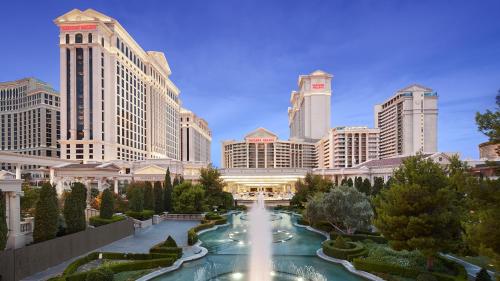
[
  {"x": 14, "y": 240},
  {"x": 115, "y": 186},
  {"x": 18, "y": 171},
  {"x": 51, "y": 175}
]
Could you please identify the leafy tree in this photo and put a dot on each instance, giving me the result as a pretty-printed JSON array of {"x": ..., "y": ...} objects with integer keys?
[
  {"x": 418, "y": 211},
  {"x": 158, "y": 195},
  {"x": 358, "y": 183},
  {"x": 149, "y": 200},
  {"x": 389, "y": 182},
  {"x": 308, "y": 187},
  {"x": 211, "y": 181},
  {"x": 366, "y": 187},
  {"x": 135, "y": 196},
  {"x": 176, "y": 181},
  {"x": 188, "y": 198},
  {"x": 46, "y": 214},
  {"x": 378, "y": 184},
  {"x": 3, "y": 222},
  {"x": 483, "y": 275},
  {"x": 349, "y": 182},
  {"x": 489, "y": 122},
  {"x": 313, "y": 211},
  {"x": 346, "y": 209},
  {"x": 167, "y": 192},
  {"x": 29, "y": 199},
  {"x": 94, "y": 192},
  {"x": 74, "y": 208},
  {"x": 107, "y": 204}
]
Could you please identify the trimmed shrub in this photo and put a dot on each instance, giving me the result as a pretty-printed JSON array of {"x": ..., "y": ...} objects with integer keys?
[
  {"x": 359, "y": 237},
  {"x": 302, "y": 221},
  {"x": 371, "y": 266},
  {"x": 46, "y": 214},
  {"x": 192, "y": 237},
  {"x": 98, "y": 221},
  {"x": 212, "y": 216},
  {"x": 101, "y": 274},
  {"x": 220, "y": 221},
  {"x": 352, "y": 250},
  {"x": 135, "y": 196},
  {"x": 170, "y": 242},
  {"x": 426, "y": 276},
  {"x": 72, "y": 267},
  {"x": 143, "y": 215},
  {"x": 107, "y": 204},
  {"x": 483, "y": 275},
  {"x": 141, "y": 264},
  {"x": 340, "y": 243},
  {"x": 74, "y": 209}
]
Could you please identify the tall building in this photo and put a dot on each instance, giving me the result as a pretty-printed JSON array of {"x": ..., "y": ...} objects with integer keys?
[
  {"x": 117, "y": 101},
  {"x": 309, "y": 114},
  {"x": 408, "y": 122},
  {"x": 29, "y": 118},
  {"x": 262, "y": 149},
  {"x": 196, "y": 138},
  {"x": 345, "y": 147}
]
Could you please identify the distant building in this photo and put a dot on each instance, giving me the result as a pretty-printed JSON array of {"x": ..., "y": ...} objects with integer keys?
[
  {"x": 346, "y": 147},
  {"x": 196, "y": 138},
  {"x": 29, "y": 118},
  {"x": 117, "y": 101},
  {"x": 262, "y": 149},
  {"x": 309, "y": 114},
  {"x": 489, "y": 151},
  {"x": 408, "y": 122}
]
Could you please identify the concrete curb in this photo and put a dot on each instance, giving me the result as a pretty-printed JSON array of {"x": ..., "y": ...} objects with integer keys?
[{"x": 177, "y": 264}]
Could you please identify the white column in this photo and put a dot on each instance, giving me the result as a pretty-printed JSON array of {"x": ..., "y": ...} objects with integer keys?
[
  {"x": 14, "y": 212},
  {"x": 116, "y": 186},
  {"x": 18, "y": 171},
  {"x": 51, "y": 175}
]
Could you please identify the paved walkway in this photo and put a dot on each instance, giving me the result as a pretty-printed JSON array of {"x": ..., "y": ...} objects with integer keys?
[{"x": 140, "y": 242}]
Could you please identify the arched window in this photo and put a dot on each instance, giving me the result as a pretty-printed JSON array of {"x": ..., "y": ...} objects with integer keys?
[
  {"x": 78, "y": 38},
  {"x": 90, "y": 38},
  {"x": 67, "y": 38}
]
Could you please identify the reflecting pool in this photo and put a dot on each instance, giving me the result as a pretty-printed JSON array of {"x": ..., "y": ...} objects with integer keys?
[{"x": 293, "y": 248}]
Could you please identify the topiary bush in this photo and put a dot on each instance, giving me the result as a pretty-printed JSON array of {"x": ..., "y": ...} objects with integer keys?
[
  {"x": 426, "y": 276},
  {"x": 98, "y": 221},
  {"x": 46, "y": 214},
  {"x": 3, "y": 222},
  {"x": 170, "y": 242},
  {"x": 483, "y": 275},
  {"x": 107, "y": 204},
  {"x": 348, "y": 250},
  {"x": 101, "y": 274},
  {"x": 340, "y": 243},
  {"x": 143, "y": 215}
]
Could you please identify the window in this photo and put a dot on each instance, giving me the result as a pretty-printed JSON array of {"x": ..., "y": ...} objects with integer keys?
[
  {"x": 90, "y": 38},
  {"x": 78, "y": 38},
  {"x": 67, "y": 38}
]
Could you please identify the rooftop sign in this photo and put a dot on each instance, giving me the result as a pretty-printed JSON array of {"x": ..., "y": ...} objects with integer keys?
[
  {"x": 78, "y": 27},
  {"x": 318, "y": 86},
  {"x": 260, "y": 140}
]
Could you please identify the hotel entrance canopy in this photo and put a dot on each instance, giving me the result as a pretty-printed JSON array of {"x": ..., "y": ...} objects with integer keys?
[{"x": 243, "y": 180}]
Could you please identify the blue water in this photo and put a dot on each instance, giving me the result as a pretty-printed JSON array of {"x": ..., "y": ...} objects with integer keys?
[{"x": 293, "y": 259}]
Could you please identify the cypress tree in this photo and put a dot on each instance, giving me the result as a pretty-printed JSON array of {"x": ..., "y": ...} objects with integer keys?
[
  {"x": 46, "y": 214},
  {"x": 358, "y": 183},
  {"x": 366, "y": 186},
  {"x": 349, "y": 182},
  {"x": 149, "y": 201},
  {"x": 74, "y": 209},
  {"x": 135, "y": 196},
  {"x": 158, "y": 195},
  {"x": 3, "y": 222},
  {"x": 377, "y": 186},
  {"x": 167, "y": 192},
  {"x": 107, "y": 204},
  {"x": 343, "y": 182}
]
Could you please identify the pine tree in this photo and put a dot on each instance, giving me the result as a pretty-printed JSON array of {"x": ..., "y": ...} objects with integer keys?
[
  {"x": 366, "y": 186},
  {"x": 149, "y": 201},
  {"x": 107, "y": 204},
  {"x": 3, "y": 222},
  {"x": 74, "y": 209},
  {"x": 167, "y": 192},
  {"x": 46, "y": 214},
  {"x": 358, "y": 183},
  {"x": 418, "y": 212},
  {"x": 349, "y": 182},
  {"x": 158, "y": 195}
]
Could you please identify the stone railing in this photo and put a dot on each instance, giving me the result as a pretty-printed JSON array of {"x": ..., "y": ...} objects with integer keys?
[{"x": 183, "y": 217}]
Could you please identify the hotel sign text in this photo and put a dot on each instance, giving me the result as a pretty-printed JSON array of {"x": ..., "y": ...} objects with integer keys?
[
  {"x": 78, "y": 27},
  {"x": 318, "y": 86},
  {"x": 261, "y": 140}
]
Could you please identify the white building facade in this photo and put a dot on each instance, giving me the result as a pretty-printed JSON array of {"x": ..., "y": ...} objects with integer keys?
[
  {"x": 29, "y": 118},
  {"x": 196, "y": 138},
  {"x": 262, "y": 149},
  {"x": 309, "y": 114},
  {"x": 408, "y": 122},
  {"x": 345, "y": 147},
  {"x": 117, "y": 101}
]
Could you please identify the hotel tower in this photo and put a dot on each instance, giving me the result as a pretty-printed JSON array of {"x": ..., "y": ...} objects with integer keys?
[{"x": 117, "y": 101}]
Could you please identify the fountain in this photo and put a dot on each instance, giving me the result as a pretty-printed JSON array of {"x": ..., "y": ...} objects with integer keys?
[{"x": 260, "y": 238}]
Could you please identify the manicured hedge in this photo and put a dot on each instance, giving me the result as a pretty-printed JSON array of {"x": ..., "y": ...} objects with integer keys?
[
  {"x": 360, "y": 237},
  {"x": 302, "y": 221},
  {"x": 192, "y": 233},
  {"x": 98, "y": 221},
  {"x": 72, "y": 267},
  {"x": 212, "y": 216},
  {"x": 372, "y": 266},
  {"x": 355, "y": 250},
  {"x": 144, "y": 215}
]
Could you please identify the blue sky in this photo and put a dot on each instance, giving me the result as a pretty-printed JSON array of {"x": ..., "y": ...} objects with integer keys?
[{"x": 236, "y": 62}]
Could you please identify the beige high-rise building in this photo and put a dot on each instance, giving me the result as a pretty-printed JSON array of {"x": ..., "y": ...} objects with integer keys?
[
  {"x": 196, "y": 138},
  {"x": 117, "y": 101},
  {"x": 262, "y": 149},
  {"x": 346, "y": 147},
  {"x": 29, "y": 118},
  {"x": 408, "y": 122},
  {"x": 309, "y": 114}
]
